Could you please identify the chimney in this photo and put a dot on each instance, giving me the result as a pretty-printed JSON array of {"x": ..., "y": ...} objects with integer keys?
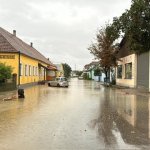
[
  {"x": 31, "y": 44},
  {"x": 14, "y": 32}
]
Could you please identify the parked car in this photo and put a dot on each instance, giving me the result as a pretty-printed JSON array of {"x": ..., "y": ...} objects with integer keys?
[
  {"x": 80, "y": 77},
  {"x": 59, "y": 82}
]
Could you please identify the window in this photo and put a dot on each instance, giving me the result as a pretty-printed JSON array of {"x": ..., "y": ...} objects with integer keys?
[
  {"x": 21, "y": 69},
  {"x": 26, "y": 70},
  {"x": 29, "y": 70},
  {"x": 128, "y": 71},
  {"x": 119, "y": 71},
  {"x": 36, "y": 71},
  {"x": 42, "y": 74},
  {"x": 33, "y": 71}
]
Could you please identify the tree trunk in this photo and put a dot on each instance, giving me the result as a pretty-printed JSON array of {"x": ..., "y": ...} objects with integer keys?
[{"x": 106, "y": 76}]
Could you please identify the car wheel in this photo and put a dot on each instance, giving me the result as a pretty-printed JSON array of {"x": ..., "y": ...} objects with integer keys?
[
  {"x": 58, "y": 85},
  {"x": 49, "y": 84}
]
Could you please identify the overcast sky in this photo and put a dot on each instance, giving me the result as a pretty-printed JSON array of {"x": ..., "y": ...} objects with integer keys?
[{"x": 60, "y": 29}]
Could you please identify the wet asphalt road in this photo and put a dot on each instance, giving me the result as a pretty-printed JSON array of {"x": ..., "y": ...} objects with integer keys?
[{"x": 85, "y": 116}]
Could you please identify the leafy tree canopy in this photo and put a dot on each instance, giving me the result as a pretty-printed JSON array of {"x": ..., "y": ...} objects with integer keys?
[
  {"x": 139, "y": 26},
  {"x": 78, "y": 73},
  {"x": 67, "y": 70},
  {"x": 135, "y": 24},
  {"x": 104, "y": 48},
  {"x": 5, "y": 71}
]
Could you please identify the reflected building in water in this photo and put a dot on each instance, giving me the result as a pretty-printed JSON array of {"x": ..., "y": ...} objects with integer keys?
[{"x": 127, "y": 114}]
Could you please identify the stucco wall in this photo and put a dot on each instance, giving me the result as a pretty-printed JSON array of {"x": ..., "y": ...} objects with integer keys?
[
  {"x": 128, "y": 82},
  {"x": 28, "y": 78},
  {"x": 10, "y": 61},
  {"x": 13, "y": 60}
]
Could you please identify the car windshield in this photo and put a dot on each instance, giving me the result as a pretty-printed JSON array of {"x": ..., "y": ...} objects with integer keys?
[
  {"x": 61, "y": 79},
  {"x": 57, "y": 79}
]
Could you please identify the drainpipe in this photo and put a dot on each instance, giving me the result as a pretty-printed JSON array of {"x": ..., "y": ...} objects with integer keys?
[
  {"x": 149, "y": 71},
  {"x": 19, "y": 69}
]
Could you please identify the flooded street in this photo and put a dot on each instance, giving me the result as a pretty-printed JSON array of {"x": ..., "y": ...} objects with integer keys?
[{"x": 85, "y": 116}]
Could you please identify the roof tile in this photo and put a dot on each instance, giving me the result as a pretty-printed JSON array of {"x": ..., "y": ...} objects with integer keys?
[{"x": 11, "y": 43}]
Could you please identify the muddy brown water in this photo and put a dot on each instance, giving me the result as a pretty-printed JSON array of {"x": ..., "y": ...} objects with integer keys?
[{"x": 85, "y": 116}]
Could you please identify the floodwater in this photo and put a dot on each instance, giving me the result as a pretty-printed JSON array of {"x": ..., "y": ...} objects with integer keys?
[{"x": 85, "y": 116}]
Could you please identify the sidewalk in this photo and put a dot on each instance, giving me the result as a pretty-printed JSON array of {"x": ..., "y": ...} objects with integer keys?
[
  {"x": 128, "y": 90},
  {"x": 135, "y": 91},
  {"x": 7, "y": 94}
]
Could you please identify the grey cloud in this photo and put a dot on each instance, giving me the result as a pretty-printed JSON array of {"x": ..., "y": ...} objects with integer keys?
[{"x": 57, "y": 39}]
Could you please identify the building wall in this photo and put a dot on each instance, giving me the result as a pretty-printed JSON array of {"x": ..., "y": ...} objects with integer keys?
[
  {"x": 31, "y": 70},
  {"x": 95, "y": 78},
  {"x": 10, "y": 59},
  {"x": 102, "y": 77},
  {"x": 26, "y": 75},
  {"x": 51, "y": 74},
  {"x": 128, "y": 82},
  {"x": 34, "y": 74},
  {"x": 60, "y": 70}
]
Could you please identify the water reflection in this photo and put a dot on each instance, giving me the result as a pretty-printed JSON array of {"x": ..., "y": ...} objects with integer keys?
[
  {"x": 125, "y": 115},
  {"x": 50, "y": 118},
  {"x": 84, "y": 116}
]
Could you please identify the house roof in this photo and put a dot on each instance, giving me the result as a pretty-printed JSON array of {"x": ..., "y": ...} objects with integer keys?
[
  {"x": 92, "y": 63},
  {"x": 124, "y": 48},
  {"x": 95, "y": 63},
  {"x": 52, "y": 67},
  {"x": 10, "y": 43}
]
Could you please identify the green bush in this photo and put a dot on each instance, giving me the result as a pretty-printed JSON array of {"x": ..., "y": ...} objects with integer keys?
[{"x": 5, "y": 71}]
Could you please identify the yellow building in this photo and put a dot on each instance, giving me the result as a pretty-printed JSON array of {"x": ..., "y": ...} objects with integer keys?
[
  {"x": 60, "y": 70},
  {"x": 29, "y": 65}
]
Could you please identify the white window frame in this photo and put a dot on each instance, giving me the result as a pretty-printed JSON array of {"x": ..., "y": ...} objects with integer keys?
[
  {"x": 26, "y": 70},
  {"x": 21, "y": 69},
  {"x": 128, "y": 70},
  {"x": 29, "y": 70}
]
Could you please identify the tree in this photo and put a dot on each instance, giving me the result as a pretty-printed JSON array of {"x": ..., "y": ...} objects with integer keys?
[
  {"x": 139, "y": 29},
  {"x": 104, "y": 49},
  {"x": 97, "y": 72},
  {"x": 86, "y": 76},
  {"x": 135, "y": 24},
  {"x": 79, "y": 73},
  {"x": 5, "y": 72},
  {"x": 113, "y": 30},
  {"x": 67, "y": 70}
]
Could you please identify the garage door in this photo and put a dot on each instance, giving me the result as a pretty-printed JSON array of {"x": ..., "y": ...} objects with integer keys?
[{"x": 143, "y": 70}]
